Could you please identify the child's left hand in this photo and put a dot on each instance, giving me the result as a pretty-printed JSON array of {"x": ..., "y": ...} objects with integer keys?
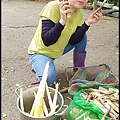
[{"x": 94, "y": 17}]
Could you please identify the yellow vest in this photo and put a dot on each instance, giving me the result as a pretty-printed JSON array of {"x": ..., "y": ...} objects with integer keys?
[{"x": 52, "y": 11}]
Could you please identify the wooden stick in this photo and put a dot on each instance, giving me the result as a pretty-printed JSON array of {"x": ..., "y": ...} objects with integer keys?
[
  {"x": 64, "y": 90},
  {"x": 103, "y": 4}
]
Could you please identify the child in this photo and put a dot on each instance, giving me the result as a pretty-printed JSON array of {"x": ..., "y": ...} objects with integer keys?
[{"x": 61, "y": 28}]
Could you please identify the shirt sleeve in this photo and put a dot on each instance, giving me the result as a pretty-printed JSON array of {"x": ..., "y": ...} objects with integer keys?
[
  {"x": 50, "y": 32},
  {"x": 51, "y": 11},
  {"x": 78, "y": 34}
]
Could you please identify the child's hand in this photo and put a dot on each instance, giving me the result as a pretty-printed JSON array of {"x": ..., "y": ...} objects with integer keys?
[
  {"x": 94, "y": 17},
  {"x": 64, "y": 9}
]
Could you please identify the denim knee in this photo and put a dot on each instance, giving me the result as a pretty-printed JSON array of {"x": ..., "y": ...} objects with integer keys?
[{"x": 51, "y": 78}]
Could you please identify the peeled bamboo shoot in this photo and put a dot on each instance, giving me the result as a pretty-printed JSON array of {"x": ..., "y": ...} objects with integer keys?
[
  {"x": 21, "y": 100},
  {"x": 38, "y": 106}
]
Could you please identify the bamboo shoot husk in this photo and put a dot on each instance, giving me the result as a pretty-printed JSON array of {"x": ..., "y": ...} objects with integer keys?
[
  {"x": 54, "y": 100},
  {"x": 49, "y": 97},
  {"x": 21, "y": 100},
  {"x": 38, "y": 107}
]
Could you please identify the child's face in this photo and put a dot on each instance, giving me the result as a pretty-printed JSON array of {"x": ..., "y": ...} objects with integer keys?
[{"x": 77, "y": 4}]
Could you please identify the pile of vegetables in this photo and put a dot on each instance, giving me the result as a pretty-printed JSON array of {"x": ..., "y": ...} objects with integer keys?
[
  {"x": 106, "y": 99},
  {"x": 39, "y": 108}
]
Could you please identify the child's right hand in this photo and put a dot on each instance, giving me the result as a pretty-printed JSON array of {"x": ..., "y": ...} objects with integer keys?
[{"x": 64, "y": 9}]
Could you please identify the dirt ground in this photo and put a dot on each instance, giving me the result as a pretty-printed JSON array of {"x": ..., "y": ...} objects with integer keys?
[{"x": 19, "y": 22}]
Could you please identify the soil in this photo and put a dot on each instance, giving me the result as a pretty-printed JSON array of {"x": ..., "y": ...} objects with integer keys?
[{"x": 19, "y": 22}]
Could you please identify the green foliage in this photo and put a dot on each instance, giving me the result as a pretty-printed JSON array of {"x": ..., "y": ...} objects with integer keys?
[{"x": 115, "y": 2}]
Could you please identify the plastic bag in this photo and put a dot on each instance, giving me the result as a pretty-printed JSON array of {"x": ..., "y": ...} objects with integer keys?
[
  {"x": 81, "y": 109},
  {"x": 75, "y": 112}
]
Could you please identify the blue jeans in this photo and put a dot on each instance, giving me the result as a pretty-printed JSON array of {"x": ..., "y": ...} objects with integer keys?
[{"x": 39, "y": 61}]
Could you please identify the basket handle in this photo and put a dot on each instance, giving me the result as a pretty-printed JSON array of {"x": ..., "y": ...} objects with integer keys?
[
  {"x": 17, "y": 89},
  {"x": 60, "y": 114}
]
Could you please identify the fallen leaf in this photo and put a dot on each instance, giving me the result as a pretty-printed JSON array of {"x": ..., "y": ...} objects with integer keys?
[
  {"x": 17, "y": 85},
  {"x": 6, "y": 71},
  {"x": 4, "y": 79},
  {"x": 4, "y": 115}
]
